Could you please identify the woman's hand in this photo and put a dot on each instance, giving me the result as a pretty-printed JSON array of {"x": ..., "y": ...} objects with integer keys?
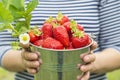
[
  {"x": 88, "y": 59},
  {"x": 31, "y": 61}
]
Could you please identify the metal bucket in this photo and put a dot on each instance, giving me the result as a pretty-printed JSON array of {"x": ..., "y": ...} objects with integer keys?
[{"x": 59, "y": 64}]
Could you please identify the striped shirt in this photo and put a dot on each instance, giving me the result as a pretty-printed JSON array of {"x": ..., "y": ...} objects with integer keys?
[{"x": 100, "y": 17}]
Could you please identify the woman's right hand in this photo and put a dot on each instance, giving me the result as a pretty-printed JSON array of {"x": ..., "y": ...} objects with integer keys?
[{"x": 31, "y": 61}]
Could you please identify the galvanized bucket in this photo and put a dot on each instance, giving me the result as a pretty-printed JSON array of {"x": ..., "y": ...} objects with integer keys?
[{"x": 59, "y": 64}]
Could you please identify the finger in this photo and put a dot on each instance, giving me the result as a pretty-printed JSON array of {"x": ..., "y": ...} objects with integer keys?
[
  {"x": 30, "y": 55},
  {"x": 86, "y": 67},
  {"x": 32, "y": 64},
  {"x": 94, "y": 45},
  {"x": 78, "y": 77},
  {"x": 83, "y": 55},
  {"x": 85, "y": 76},
  {"x": 79, "y": 65},
  {"x": 89, "y": 58},
  {"x": 32, "y": 70},
  {"x": 40, "y": 61}
]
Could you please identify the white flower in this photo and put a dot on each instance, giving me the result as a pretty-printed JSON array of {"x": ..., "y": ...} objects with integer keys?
[{"x": 24, "y": 38}]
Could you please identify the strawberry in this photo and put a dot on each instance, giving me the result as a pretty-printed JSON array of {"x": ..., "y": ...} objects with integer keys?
[
  {"x": 52, "y": 43},
  {"x": 81, "y": 40},
  {"x": 60, "y": 33},
  {"x": 62, "y": 18},
  {"x": 33, "y": 37},
  {"x": 72, "y": 26},
  {"x": 34, "y": 34},
  {"x": 67, "y": 26},
  {"x": 80, "y": 27},
  {"x": 70, "y": 46},
  {"x": 47, "y": 30},
  {"x": 47, "y": 27},
  {"x": 38, "y": 42}
]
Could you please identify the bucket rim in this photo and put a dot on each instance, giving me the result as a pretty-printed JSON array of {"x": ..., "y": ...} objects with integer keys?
[{"x": 63, "y": 49}]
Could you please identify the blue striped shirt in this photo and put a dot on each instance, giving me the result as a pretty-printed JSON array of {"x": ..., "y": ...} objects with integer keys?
[{"x": 100, "y": 17}]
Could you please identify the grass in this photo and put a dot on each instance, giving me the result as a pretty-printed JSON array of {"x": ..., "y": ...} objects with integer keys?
[
  {"x": 114, "y": 75},
  {"x": 5, "y": 75}
]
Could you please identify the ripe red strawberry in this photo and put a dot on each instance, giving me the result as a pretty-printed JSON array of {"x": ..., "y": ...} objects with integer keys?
[
  {"x": 47, "y": 30},
  {"x": 52, "y": 43},
  {"x": 34, "y": 34},
  {"x": 80, "y": 41},
  {"x": 67, "y": 26},
  {"x": 70, "y": 24},
  {"x": 70, "y": 46},
  {"x": 62, "y": 18},
  {"x": 38, "y": 42},
  {"x": 33, "y": 37},
  {"x": 80, "y": 27},
  {"x": 79, "y": 38},
  {"x": 60, "y": 33}
]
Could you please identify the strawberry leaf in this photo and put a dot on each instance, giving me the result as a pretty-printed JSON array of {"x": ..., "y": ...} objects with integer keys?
[
  {"x": 31, "y": 6},
  {"x": 16, "y": 12},
  {"x": 5, "y": 15}
]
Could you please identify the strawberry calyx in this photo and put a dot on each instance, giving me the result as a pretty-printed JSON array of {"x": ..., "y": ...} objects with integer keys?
[
  {"x": 78, "y": 34},
  {"x": 50, "y": 19},
  {"x": 36, "y": 31},
  {"x": 59, "y": 16},
  {"x": 55, "y": 25},
  {"x": 75, "y": 30}
]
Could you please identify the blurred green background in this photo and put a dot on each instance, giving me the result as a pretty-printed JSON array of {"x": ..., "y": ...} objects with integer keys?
[{"x": 5, "y": 75}]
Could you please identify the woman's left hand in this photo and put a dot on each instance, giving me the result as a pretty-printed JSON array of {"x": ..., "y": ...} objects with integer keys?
[{"x": 88, "y": 59}]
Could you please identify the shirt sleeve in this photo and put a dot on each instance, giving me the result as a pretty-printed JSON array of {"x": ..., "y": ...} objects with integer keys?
[
  {"x": 5, "y": 43},
  {"x": 110, "y": 24},
  {"x": 3, "y": 50}
]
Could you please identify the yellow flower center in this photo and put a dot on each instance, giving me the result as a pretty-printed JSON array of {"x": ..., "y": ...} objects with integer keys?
[{"x": 24, "y": 38}]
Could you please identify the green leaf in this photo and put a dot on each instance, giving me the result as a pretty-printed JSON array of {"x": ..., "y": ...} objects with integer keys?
[
  {"x": 20, "y": 25},
  {"x": 5, "y": 15},
  {"x": 2, "y": 27},
  {"x": 17, "y": 14},
  {"x": 23, "y": 29},
  {"x": 5, "y": 27},
  {"x": 28, "y": 19},
  {"x": 18, "y": 5},
  {"x": 15, "y": 45},
  {"x": 17, "y": 9},
  {"x": 6, "y": 3},
  {"x": 31, "y": 6}
]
